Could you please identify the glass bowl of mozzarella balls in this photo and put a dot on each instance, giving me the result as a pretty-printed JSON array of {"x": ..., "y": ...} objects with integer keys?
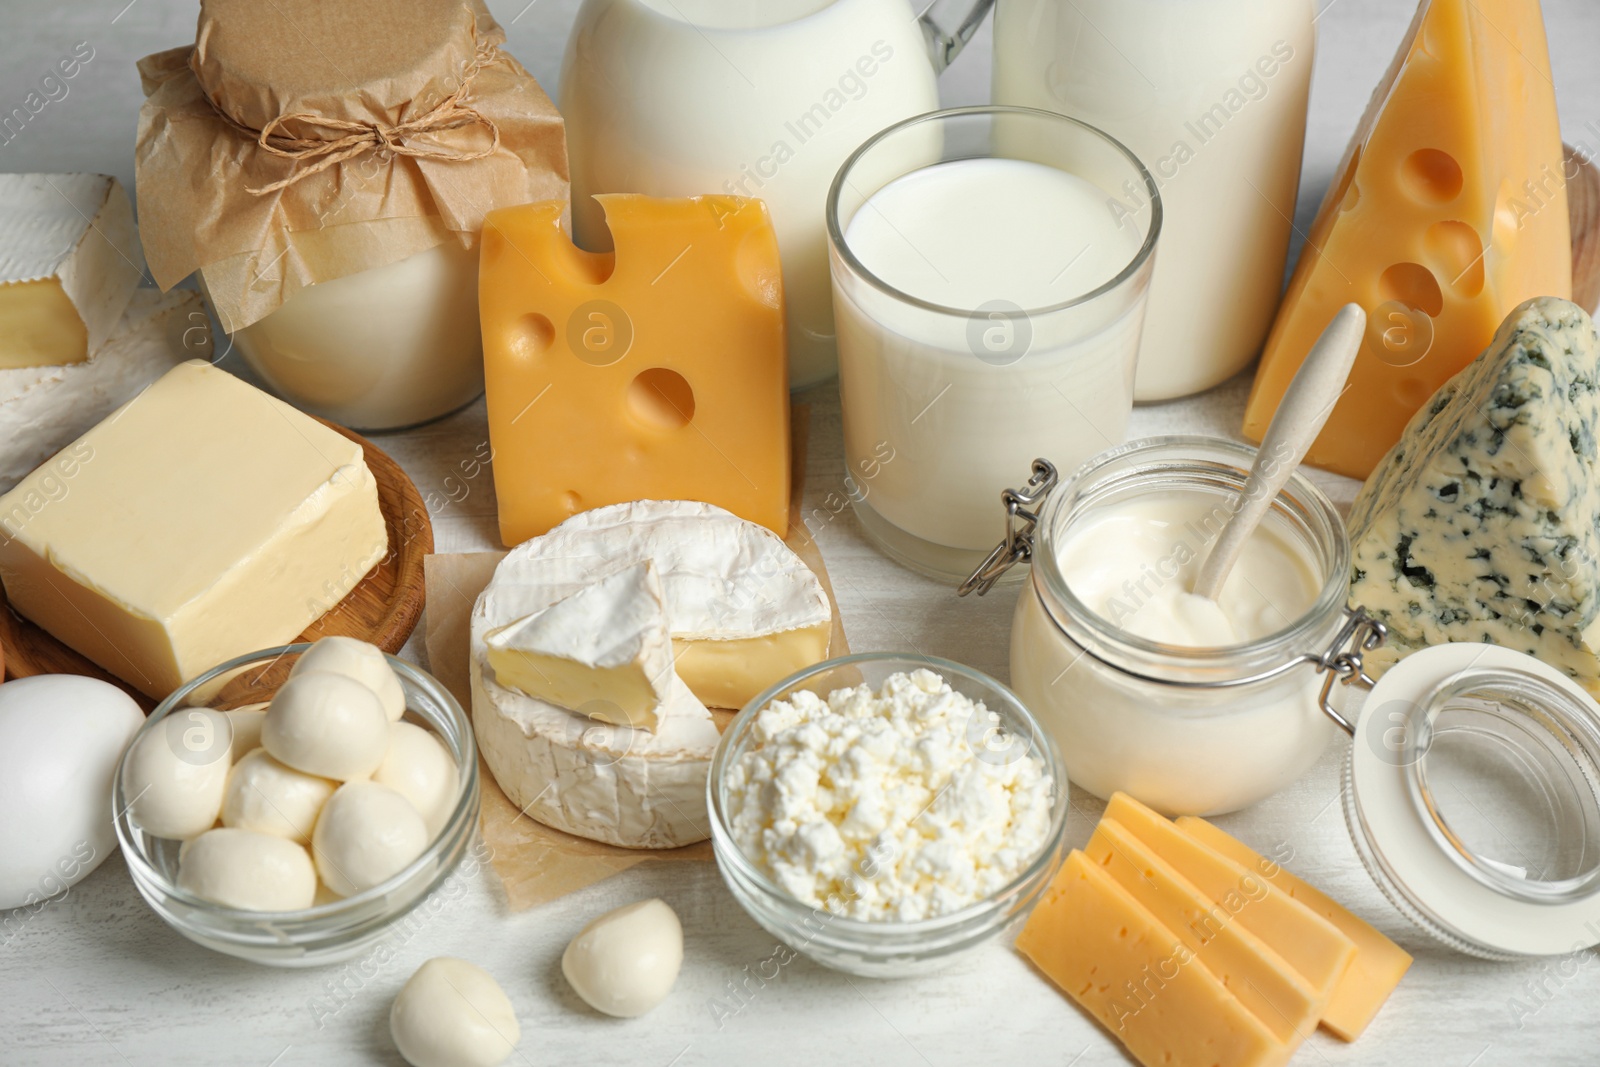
[{"x": 289, "y": 805}]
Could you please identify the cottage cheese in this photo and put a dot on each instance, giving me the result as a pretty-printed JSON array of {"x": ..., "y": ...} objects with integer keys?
[{"x": 896, "y": 805}]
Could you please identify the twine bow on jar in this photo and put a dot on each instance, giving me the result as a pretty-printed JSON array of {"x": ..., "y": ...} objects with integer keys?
[{"x": 347, "y": 139}]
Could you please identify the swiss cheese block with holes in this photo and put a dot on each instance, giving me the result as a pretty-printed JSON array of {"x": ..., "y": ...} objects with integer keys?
[
  {"x": 1448, "y": 210},
  {"x": 655, "y": 372}
]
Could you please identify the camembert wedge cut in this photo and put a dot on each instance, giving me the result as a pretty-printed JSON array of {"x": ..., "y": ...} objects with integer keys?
[
  {"x": 1123, "y": 966},
  {"x": 744, "y": 612},
  {"x": 1483, "y": 523},
  {"x": 1450, "y": 209},
  {"x": 69, "y": 263},
  {"x": 604, "y": 651},
  {"x": 1379, "y": 964}
]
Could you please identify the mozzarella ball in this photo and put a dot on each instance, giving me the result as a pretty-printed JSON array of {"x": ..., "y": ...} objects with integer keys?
[
  {"x": 176, "y": 773},
  {"x": 247, "y": 870},
  {"x": 626, "y": 961},
  {"x": 246, "y": 722},
  {"x": 452, "y": 1013},
  {"x": 419, "y": 769},
  {"x": 265, "y": 796},
  {"x": 61, "y": 738},
  {"x": 367, "y": 832},
  {"x": 327, "y": 725},
  {"x": 358, "y": 660}
]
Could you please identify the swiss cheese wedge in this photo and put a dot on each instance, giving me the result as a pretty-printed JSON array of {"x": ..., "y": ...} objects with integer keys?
[
  {"x": 1379, "y": 964},
  {"x": 1449, "y": 210}
]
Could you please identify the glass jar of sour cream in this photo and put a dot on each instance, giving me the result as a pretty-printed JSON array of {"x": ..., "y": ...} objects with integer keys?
[{"x": 1191, "y": 706}]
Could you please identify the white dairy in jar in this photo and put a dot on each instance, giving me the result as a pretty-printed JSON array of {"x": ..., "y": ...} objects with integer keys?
[{"x": 1193, "y": 707}]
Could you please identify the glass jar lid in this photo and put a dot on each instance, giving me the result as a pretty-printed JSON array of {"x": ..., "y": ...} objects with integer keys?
[{"x": 1474, "y": 799}]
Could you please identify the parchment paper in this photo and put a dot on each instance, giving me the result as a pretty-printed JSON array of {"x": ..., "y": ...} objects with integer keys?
[{"x": 535, "y": 863}]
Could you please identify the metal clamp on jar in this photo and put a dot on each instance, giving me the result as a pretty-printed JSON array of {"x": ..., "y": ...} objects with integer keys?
[{"x": 1188, "y": 730}]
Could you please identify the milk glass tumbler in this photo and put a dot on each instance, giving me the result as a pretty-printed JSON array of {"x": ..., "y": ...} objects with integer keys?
[{"x": 989, "y": 270}]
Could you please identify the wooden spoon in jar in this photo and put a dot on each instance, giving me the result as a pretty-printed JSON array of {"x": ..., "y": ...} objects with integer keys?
[{"x": 1305, "y": 407}]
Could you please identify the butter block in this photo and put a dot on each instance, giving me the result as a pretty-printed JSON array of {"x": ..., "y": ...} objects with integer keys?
[
  {"x": 202, "y": 520},
  {"x": 1449, "y": 209},
  {"x": 44, "y": 409},
  {"x": 1310, "y": 943},
  {"x": 655, "y": 372},
  {"x": 604, "y": 651},
  {"x": 69, "y": 262},
  {"x": 1253, "y": 971},
  {"x": 1379, "y": 963},
  {"x": 1124, "y": 967}
]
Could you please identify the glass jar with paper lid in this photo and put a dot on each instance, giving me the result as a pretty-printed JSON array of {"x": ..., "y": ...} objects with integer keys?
[{"x": 326, "y": 169}]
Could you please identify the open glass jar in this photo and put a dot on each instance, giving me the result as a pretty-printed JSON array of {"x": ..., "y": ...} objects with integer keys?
[{"x": 1193, "y": 731}]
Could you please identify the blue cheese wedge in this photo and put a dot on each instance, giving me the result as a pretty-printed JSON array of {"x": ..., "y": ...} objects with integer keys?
[{"x": 1483, "y": 522}]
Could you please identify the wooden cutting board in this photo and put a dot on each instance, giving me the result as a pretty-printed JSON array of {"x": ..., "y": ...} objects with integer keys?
[
  {"x": 1583, "y": 207},
  {"x": 383, "y": 608}
]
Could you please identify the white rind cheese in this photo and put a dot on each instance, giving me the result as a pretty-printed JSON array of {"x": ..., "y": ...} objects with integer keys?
[
  {"x": 604, "y": 651},
  {"x": 1483, "y": 522},
  {"x": 70, "y": 261},
  {"x": 726, "y": 582},
  {"x": 44, "y": 409}
]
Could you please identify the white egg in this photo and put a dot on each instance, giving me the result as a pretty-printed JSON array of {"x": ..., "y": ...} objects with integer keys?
[
  {"x": 359, "y": 660},
  {"x": 176, "y": 773},
  {"x": 265, "y": 796},
  {"x": 247, "y": 722},
  {"x": 247, "y": 870},
  {"x": 625, "y": 962},
  {"x": 452, "y": 1013},
  {"x": 419, "y": 769},
  {"x": 61, "y": 737},
  {"x": 366, "y": 833},
  {"x": 327, "y": 725}
]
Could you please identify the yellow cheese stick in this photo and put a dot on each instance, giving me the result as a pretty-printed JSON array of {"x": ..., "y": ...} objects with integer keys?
[
  {"x": 1379, "y": 964},
  {"x": 1110, "y": 954},
  {"x": 1264, "y": 982},
  {"x": 1312, "y": 945}
]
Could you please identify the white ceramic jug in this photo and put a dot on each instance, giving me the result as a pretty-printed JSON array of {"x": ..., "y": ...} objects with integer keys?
[{"x": 760, "y": 98}]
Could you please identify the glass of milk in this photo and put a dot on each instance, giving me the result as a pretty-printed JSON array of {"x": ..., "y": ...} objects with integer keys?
[{"x": 989, "y": 278}]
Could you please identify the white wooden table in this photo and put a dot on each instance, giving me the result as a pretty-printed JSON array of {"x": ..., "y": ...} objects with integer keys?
[{"x": 96, "y": 978}]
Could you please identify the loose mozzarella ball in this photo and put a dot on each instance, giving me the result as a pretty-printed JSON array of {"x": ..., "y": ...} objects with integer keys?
[
  {"x": 247, "y": 870},
  {"x": 247, "y": 722},
  {"x": 367, "y": 832},
  {"x": 626, "y": 961},
  {"x": 177, "y": 772},
  {"x": 265, "y": 796},
  {"x": 361, "y": 661},
  {"x": 327, "y": 725},
  {"x": 419, "y": 769},
  {"x": 452, "y": 1013}
]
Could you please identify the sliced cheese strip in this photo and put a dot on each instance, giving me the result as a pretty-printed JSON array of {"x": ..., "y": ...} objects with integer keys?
[
  {"x": 69, "y": 263},
  {"x": 1124, "y": 967},
  {"x": 1263, "y": 981},
  {"x": 1450, "y": 210},
  {"x": 604, "y": 651},
  {"x": 1310, "y": 943},
  {"x": 1379, "y": 964}
]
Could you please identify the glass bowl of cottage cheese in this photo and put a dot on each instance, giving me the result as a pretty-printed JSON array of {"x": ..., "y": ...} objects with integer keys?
[{"x": 884, "y": 813}]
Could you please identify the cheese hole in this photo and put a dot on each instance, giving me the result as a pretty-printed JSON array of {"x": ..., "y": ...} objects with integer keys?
[
  {"x": 531, "y": 336},
  {"x": 572, "y": 502},
  {"x": 1414, "y": 392},
  {"x": 1413, "y": 285},
  {"x": 1431, "y": 176},
  {"x": 1456, "y": 249},
  {"x": 757, "y": 265},
  {"x": 661, "y": 397}
]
